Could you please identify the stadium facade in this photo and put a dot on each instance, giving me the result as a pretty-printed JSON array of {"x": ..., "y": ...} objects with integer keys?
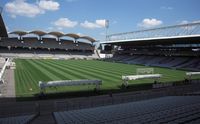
[{"x": 38, "y": 41}]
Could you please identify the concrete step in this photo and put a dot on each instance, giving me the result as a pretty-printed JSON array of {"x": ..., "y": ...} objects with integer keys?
[{"x": 44, "y": 119}]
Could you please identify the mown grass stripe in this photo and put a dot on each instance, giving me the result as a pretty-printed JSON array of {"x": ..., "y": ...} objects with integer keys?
[
  {"x": 101, "y": 66},
  {"x": 94, "y": 72},
  {"x": 113, "y": 66},
  {"x": 37, "y": 73},
  {"x": 69, "y": 71},
  {"x": 90, "y": 72},
  {"x": 68, "y": 74},
  {"x": 44, "y": 71},
  {"x": 96, "y": 69}
]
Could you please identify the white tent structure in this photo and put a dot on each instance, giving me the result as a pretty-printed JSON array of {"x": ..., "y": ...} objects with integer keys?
[
  {"x": 44, "y": 85},
  {"x": 136, "y": 77},
  {"x": 190, "y": 74}
]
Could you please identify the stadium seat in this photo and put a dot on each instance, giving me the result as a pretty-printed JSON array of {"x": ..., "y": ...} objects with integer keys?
[{"x": 161, "y": 110}]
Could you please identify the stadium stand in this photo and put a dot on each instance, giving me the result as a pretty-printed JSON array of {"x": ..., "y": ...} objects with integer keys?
[
  {"x": 46, "y": 43},
  {"x": 122, "y": 102},
  {"x": 18, "y": 113},
  {"x": 158, "y": 47},
  {"x": 188, "y": 63},
  {"x": 174, "y": 109},
  {"x": 45, "y": 53},
  {"x": 17, "y": 120},
  {"x": 43, "y": 45}
]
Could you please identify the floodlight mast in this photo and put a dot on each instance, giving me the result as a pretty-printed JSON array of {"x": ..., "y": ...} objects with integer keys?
[{"x": 106, "y": 26}]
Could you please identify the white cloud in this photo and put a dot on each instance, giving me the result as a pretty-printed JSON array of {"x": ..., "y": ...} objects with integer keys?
[
  {"x": 50, "y": 29},
  {"x": 197, "y": 21},
  {"x": 101, "y": 23},
  {"x": 23, "y": 8},
  {"x": 149, "y": 23},
  {"x": 89, "y": 25},
  {"x": 184, "y": 22},
  {"x": 166, "y": 8},
  {"x": 49, "y": 5},
  {"x": 65, "y": 23}
]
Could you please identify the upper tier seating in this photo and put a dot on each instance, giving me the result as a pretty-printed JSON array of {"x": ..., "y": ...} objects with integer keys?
[{"x": 52, "y": 43}]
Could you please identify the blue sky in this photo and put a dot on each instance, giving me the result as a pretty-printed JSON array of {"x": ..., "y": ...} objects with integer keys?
[{"x": 86, "y": 17}]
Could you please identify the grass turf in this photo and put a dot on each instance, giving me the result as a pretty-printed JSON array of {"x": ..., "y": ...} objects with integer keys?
[{"x": 29, "y": 72}]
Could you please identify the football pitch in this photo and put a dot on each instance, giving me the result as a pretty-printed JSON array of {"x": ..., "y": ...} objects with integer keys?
[{"x": 29, "y": 72}]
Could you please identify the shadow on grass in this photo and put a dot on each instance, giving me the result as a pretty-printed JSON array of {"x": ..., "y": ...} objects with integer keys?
[{"x": 88, "y": 93}]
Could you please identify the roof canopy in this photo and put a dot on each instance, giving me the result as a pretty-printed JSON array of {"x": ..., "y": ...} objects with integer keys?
[
  {"x": 57, "y": 34},
  {"x": 38, "y": 32},
  {"x": 20, "y": 33},
  {"x": 54, "y": 33},
  {"x": 88, "y": 38},
  {"x": 75, "y": 36}
]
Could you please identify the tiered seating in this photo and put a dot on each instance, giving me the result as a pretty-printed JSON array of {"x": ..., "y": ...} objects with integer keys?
[
  {"x": 177, "y": 109},
  {"x": 161, "y": 61},
  {"x": 52, "y": 43},
  {"x": 31, "y": 42},
  {"x": 11, "y": 42},
  {"x": 84, "y": 46},
  {"x": 17, "y": 119},
  {"x": 44, "y": 53}
]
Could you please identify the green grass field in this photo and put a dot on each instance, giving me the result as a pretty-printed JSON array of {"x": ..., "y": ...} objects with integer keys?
[{"x": 29, "y": 72}]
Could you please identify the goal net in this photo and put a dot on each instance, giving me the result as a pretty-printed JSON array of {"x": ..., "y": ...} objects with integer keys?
[{"x": 141, "y": 71}]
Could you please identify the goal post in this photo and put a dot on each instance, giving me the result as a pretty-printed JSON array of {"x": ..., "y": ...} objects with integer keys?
[{"x": 142, "y": 71}]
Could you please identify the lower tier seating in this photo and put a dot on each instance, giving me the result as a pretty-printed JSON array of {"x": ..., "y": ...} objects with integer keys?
[{"x": 172, "y": 109}]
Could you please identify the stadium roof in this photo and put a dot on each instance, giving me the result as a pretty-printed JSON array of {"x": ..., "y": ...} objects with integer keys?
[
  {"x": 38, "y": 32},
  {"x": 54, "y": 33},
  {"x": 75, "y": 36},
  {"x": 57, "y": 34},
  {"x": 191, "y": 39},
  {"x": 177, "y": 34},
  {"x": 88, "y": 38},
  {"x": 20, "y": 33}
]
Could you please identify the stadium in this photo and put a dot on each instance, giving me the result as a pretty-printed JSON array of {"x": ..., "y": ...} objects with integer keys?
[{"x": 144, "y": 76}]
